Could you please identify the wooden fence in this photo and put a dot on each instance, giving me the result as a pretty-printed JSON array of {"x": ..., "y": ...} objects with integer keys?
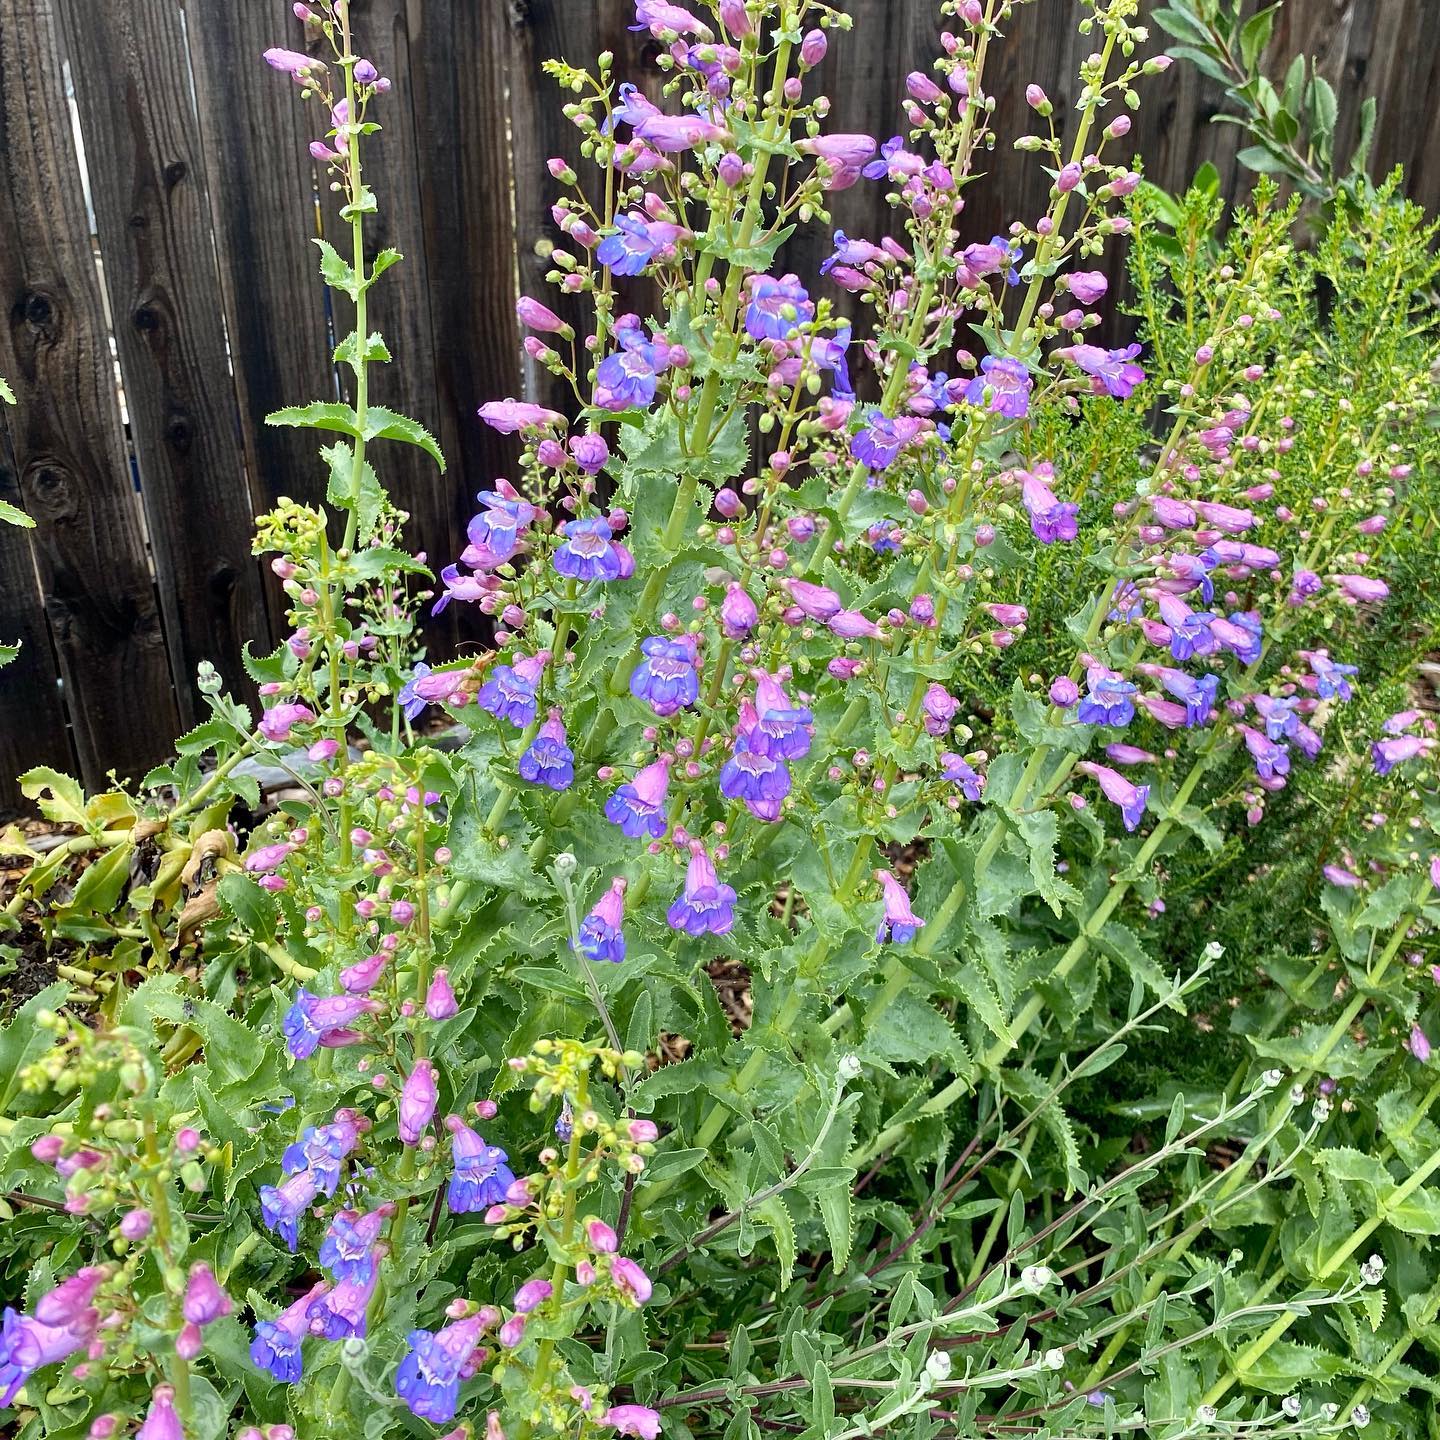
[{"x": 160, "y": 290}]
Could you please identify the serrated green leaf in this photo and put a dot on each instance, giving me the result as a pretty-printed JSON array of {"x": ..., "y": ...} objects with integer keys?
[
  {"x": 383, "y": 424},
  {"x": 14, "y": 516}
]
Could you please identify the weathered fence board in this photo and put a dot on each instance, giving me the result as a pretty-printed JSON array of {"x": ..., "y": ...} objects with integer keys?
[
  {"x": 68, "y": 447},
  {"x": 205, "y": 204},
  {"x": 148, "y": 182}
]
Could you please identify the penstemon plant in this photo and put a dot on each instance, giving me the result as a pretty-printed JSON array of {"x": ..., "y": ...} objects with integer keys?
[{"x": 942, "y": 709}]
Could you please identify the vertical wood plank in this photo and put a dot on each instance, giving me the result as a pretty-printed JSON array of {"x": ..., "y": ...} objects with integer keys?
[
  {"x": 459, "y": 80},
  {"x": 131, "y": 74},
  {"x": 255, "y": 132},
  {"x": 33, "y": 729},
  {"x": 399, "y": 306},
  {"x": 69, "y": 451}
]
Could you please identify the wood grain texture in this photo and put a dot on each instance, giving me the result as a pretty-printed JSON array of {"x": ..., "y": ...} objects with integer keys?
[
  {"x": 131, "y": 72},
  {"x": 33, "y": 729},
  {"x": 256, "y": 131},
  {"x": 68, "y": 448}
]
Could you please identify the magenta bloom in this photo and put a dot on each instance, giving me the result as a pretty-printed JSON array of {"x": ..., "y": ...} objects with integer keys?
[
  {"x": 900, "y": 922},
  {"x": 1088, "y": 286},
  {"x": 316, "y": 1020},
  {"x": 658, "y": 17},
  {"x": 1113, "y": 371},
  {"x": 939, "y": 707},
  {"x": 440, "y": 1002},
  {"x": 631, "y": 1281},
  {"x": 509, "y": 416},
  {"x": 637, "y": 1420},
  {"x": 1119, "y": 791},
  {"x": 278, "y": 721},
  {"x": 161, "y": 1421},
  {"x": 66, "y": 1305},
  {"x": 293, "y": 62},
  {"x": 1050, "y": 519},
  {"x": 845, "y": 155},
  {"x": 27, "y": 1346},
  {"x": 738, "y": 614},
  {"x": 1362, "y": 588},
  {"x": 815, "y": 601},
  {"x": 417, "y": 1102},
  {"x": 531, "y": 1294},
  {"x": 1395, "y": 750},
  {"x": 1419, "y": 1044},
  {"x": 204, "y": 1302},
  {"x": 277, "y": 1342},
  {"x": 1007, "y": 385}
]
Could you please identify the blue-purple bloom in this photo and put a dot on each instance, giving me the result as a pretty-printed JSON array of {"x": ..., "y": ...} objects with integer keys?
[
  {"x": 276, "y": 1346},
  {"x": 750, "y": 776},
  {"x": 1280, "y": 717},
  {"x": 1331, "y": 678},
  {"x": 315, "y": 1020},
  {"x": 959, "y": 771},
  {"x": 1050, "y": 519},
  {"x": 1272, "y": 761},
  {"x": 704, "y": 905},
  {"x": 320, "y": 1150},
  {"x": 1119, "y": 791},
  {"x": 1113, "y": 371},
  {"x": 494, "y": 533},
  {"x": 628, "y": 378},
  {"x": 509, "y": 693},
  {"x": 851, "y": 252},
  {"x": 1190, "y": 632},
  {"x": 428, "y": 1379},
  {"x": 777, "y": 307},
  {"x": 283, "y": 1205},
  {"x": 782, "y": 729},
  {"x": 601, "y": 937},
  {"x": 340, "y": 1313},
  {"x": 1241, "y": 634},
  {"x": 1395, "y": 750},
  {"x": 549, "y": 760},
  {"x": 877, "y": 443},
  {"x": 1108, "y": 702},
  {"x": 635, "y": 243},
  {"x": 666, "y": 678},
  {"x": 348, "y": 1249},
  {"x": 1196, "y": 693},
  {"x": 588, "y": 552},
  {"x": 899, "y": 922},
  {"x": 638, "y": 807},
  {"x": 1008, "y": 383},
  {"x": 481, "y": 1175},
  {"x": 27, "y": 1346}
]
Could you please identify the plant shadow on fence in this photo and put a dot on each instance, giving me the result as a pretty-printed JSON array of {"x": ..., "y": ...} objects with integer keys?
[{"x": 158, "y": 298}]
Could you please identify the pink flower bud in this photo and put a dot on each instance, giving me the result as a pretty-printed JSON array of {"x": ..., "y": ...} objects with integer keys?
[{"x": 813, "y": 48}]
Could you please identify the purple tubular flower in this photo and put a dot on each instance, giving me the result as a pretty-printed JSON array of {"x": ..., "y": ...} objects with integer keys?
[
  {"x": 440, "y": 1001},
  {"x": 815, "y": 601},
  {"x": 630, "y": 1280},
  {"x": 1007, "y": 383},
  {"x": 339, "y": 1314},
  {"x": 508, "y": 416},
  {"x": 1196, "y": 694},
  {"x": 782, "y": 730},
  {"x": 468, "y": 588},
  {"x": 627, "y": 379},
  {"x": 1129, "y": 755},
  {"x": 1050, "y": 519},
  {"x": 704, "y": 906},
  {"x": 278, "y": 721},
  {"x": 845, "y": 154},
  {"x": 276, "y": 1346},
  {"x": 315, "y": 1020},
  {"x": 481, "y": 1175},
  {"x": 588, "y": 552},
  {"x": 321, "y": 1150},
  {"x": 292, "y": 62},
  {"x": 549, "y": 760},
  {"x": 900, "y": 922},
  {"x": 1309, "y": 742},
  {"x": 939, "y": 707},
  {"x": 1108, "y": 702},
  {"x": 1278, "y": 713},
  {"x": 876, "y": 444},
  {"x": 1190, "y": 630},
  {"x": 509, "y": 693},
  {"x": 418, "y": 1096},
  {"x": 666, "y": 678},
  {"x": 281, "y": 1206},
  {"x": 1064, "y": 692},
  {"x": 27, "y": 1346},
  {"x": 1272, "y": 761},
  {"x": 1119, "y": 791},
  {"x": 348, "y": 1249},
  {"x": 1419, "y": 1044},
  {"x": 1087, "y": 286},
  {"x": 205, "y": 1301},
  {"x": 590, "y": 452},
  {"x": 1331, "y": 679},
  {"x": 777, "y": 308},
  {"x": 1112, "y": 370},
  {"x": 852, "y": 252},
  {"x": 1362, "y": 588},
  {"x": 750, "y": 776},
  {"x": 428, "y": 1379},
  {"x": 1395, "y": 750},
  {"x": 638, "y": 808},
  {"x": 959, "y": 771},
  {"x": 1241, "y": 634},
  {"x": 738, "y": 614},
  {"x": 601, "y": 937},
  {"x": 67, "y": 1304},
  {"x": 532, "y": 1294},
  {"x": 632, "y": 247},
  {"x": 161, "y": 1421},
  {"x": 494, "y": 533}
]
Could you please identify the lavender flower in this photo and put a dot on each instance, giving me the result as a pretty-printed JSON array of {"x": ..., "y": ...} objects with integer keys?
[
  {"x": 752, "y": 777},
  {"x": 635, "y": 242},
  {"x": 1119, "y": 791},
  {"x": 161, "y": 1421},
  {"x": 428, "y": 1379},
  {"x": 638, "y": 1421},
  {"x": 939, "y": 708},
  {"x": 418, "y": 1097},
  {"x": 276, "y": 1346},
  {"x": 638, "y": 808},
  {"x": 320, "y": 1151},
  {"x": 481, "y": 1175},
  {"x": 777, "y": 308},
  {"x": 283, "y": 1205},
  {"x": 877, "y": 443},
  {"x": 1331, "y": 678},
  {"x": 959, "y": 771},
  {"x": 900, "y": 922},
  {"x": 508, "y": 416},
  {"x": 782, "y": 729},
  {"x": 1113, "y": 371},
  {"x": 1278, "y": 713},
  {"x": 1272, "y": 761},
  {"x": 204, "y": 1301},
  {"x": 1108, "y": 702},
  {"x": 1003, "y": 387},
  {"x": 1050, "y": 519},
  {"x": 440, "y": 1001},
  {"x": 27, "y": 1346},
  {"x": 509, "y": 693},
  {"x": 666, "y": 678},
  {"x": 494, "y": 533},
  {"x": 738, "y": 614},
  {"x": 704, "y": 905},
  {"x": 628, "y": 379},
  {"x": 315, "y": 1020},
  {"x": 1190, "y": 630},
  {"x": 588, "y": 552},
  {"x": 1395, "y": 750},
  {"x": 348, "y": 1249},
  {"x": 601, "y": 937},
  {"x": 340, "y": 1313},
  {"x": 549, "y": 760}
]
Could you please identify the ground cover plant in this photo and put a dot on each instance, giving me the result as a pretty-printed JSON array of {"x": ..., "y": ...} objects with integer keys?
[{"x": 1026, "y": 725}]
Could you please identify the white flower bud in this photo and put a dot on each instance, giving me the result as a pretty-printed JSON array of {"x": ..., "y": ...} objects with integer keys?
[
  {"x": 1271, "y": 1078},
  {"x": 1036, "y": 1277},
  {"x": 937, "y": 1365},
  {"x": 1205, "y": 1415},
  {"x": 849, "y": 1067},
  {"x": 565, "y": 865},
  {"x": 1297, "y": 1094},
  {"x": 1372, "y": 1272},
  {"x": 1360, "y": 1417},
  {"x": 1291, "y": 1406},
  {"x": 1055, "y": 1359},
  {"x": 1213, "y": 951}
]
